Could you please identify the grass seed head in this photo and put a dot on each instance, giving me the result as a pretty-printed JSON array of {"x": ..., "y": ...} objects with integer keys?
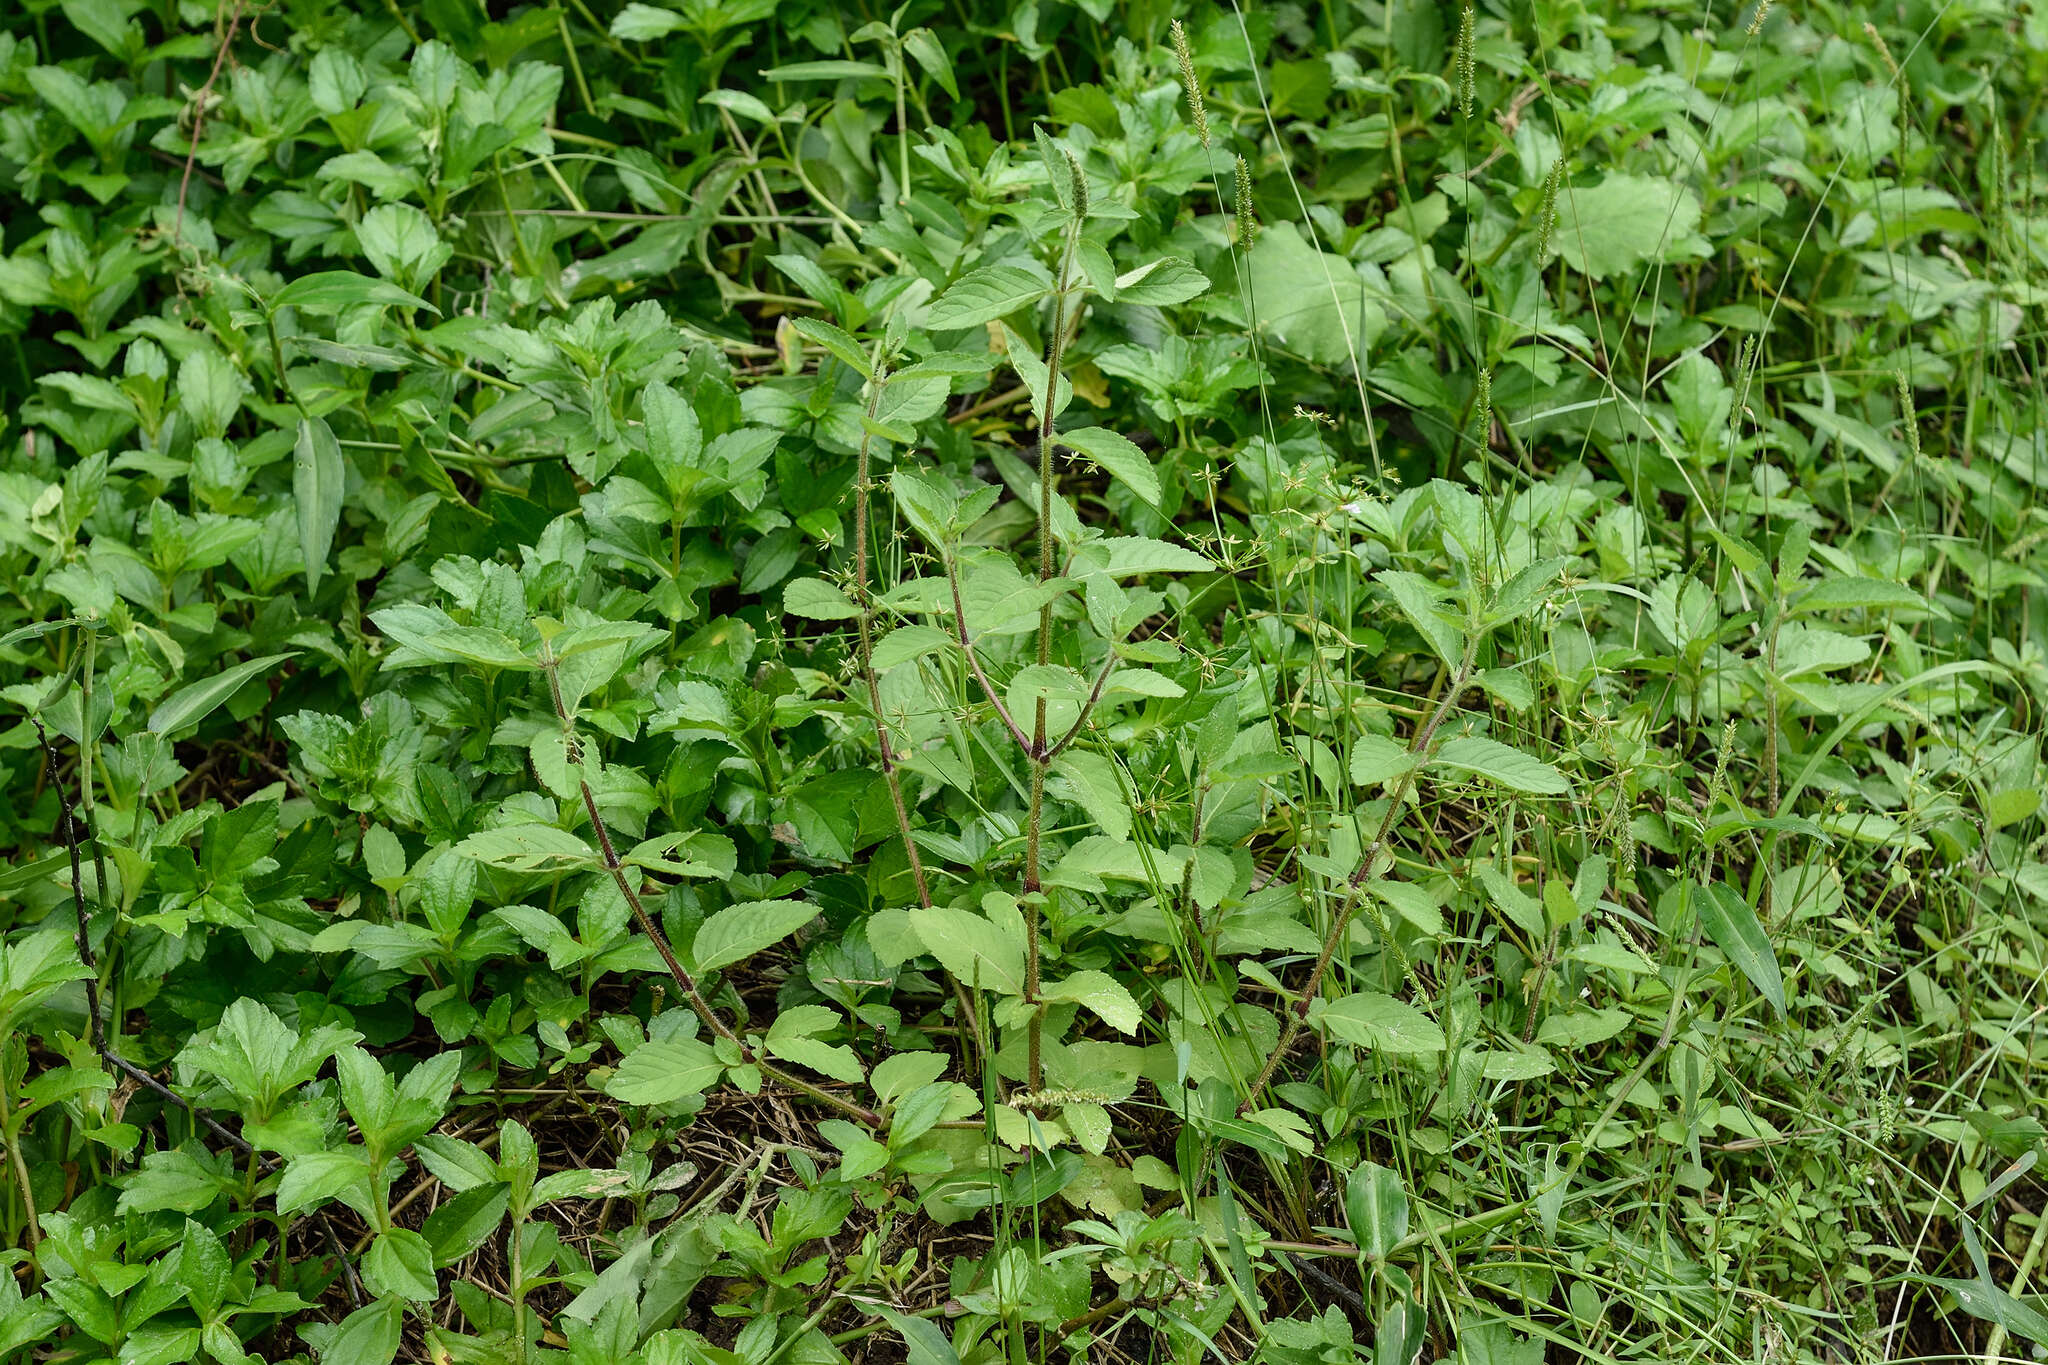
[
  {"x": 1546, "y": 212},
  {"x": 1247, "y": 217},
  {"x": 1467, "y": 63},
  {"x": 1185, "y": 56}
]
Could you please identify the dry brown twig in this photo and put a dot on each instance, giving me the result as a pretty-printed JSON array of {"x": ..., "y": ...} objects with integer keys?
[
  {"x": 1510, "y": 119},
  {"x": 200, "y": 99}
]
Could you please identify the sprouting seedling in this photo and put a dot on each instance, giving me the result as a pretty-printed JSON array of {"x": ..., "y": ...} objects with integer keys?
[
  {"x": 1185, "y": 56},
  {"x": 1467, "y": 66}
]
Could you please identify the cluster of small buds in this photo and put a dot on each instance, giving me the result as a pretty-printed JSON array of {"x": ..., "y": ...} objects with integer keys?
[
  {"x": 1048, "y": 1099},
  {"x": 1888, "y": 1110},
  {"x": 1186, "y": 57},
  {"x": 1891, "y": 64},
  {"x": 1625, "y": 849}
]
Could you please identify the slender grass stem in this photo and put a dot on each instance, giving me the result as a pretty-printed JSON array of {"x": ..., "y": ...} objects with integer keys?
[
  {"x": 1354, "y": 886},
  {"x": 1041, "y": 759}
]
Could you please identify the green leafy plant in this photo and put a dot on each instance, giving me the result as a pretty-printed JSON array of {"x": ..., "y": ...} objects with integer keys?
[{"x": 738, "y": 682}]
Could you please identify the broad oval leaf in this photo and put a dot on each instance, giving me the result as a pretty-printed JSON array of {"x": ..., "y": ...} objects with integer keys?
[
  {"x": 970, "y": 947},
  {"x": 663, "y": 1071},
  {"x": 1376, "y": 1205},
  {"x": 740, "y": 931},
  {"x": 1102, "y": 994},
  {"x": 816, "y": 600},
  {"x": 1496, "y": 762},
  {"x": 983, "y": 296},
  {"x": 1119, "y": 456},
  {"x": 529, "y": 848},
  {"x": 1382, "y": 1023},
  {"x": 1168, "y": 280}
]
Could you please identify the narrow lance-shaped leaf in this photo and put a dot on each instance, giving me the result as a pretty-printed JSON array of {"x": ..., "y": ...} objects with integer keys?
[
  {"x": 1736, "y": 931},
  {"x": 192, "y": 704},
  {"x": 318, "y": 473}
]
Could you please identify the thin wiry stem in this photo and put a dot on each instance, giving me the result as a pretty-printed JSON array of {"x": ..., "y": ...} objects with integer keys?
[
  {"x": 617, "y": 870},
  {"x": 1035, "y": 830},
  {"x": 974, "y": 663},
  {"x": 1087, "y": 708},
  {"x": 865, "y": 600},
  {"x": 1354, "y": 885},
  {"x": 68, "y": 824}
]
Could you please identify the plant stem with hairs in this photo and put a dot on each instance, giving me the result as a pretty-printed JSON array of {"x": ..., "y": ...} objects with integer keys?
[
  {"x": 864, "y": 599},
  {"x": 1038, "y": 746},
  {"x": 1040, "y": 753},
  {"x": 1354, "y": 885}
]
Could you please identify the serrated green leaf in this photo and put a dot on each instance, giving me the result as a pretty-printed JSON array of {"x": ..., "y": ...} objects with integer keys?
[
  {"x": 1416, "y": 596},
  {"x": 664, "y": 1071},
  {"x": 1100, "y": 993},
  {"x": 1162, "y": 283},
  {"x": 1497, "y": 762},
  {"x": 529, "y": 848},
  {"x": 739, "y": 931},
  {"x": 984, "y": 295},
  {"x": 1382, "y": 1023},
  {"x": 816, "y": 600},
  {"x": 970, "y": 947},
  {"x": 1117, "y": 454},
  {"x": 835, "y": 341}
]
